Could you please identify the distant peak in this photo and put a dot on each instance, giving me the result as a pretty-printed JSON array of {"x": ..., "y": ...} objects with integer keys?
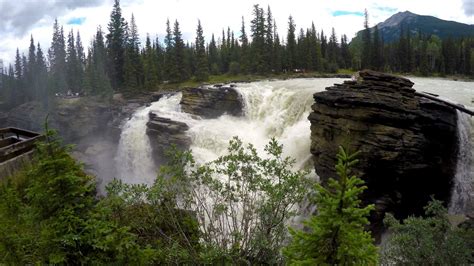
[{"x": 396, "y": 19}]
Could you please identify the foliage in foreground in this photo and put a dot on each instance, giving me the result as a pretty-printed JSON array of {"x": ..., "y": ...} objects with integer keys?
[
  {"x": 231, "y": 210},
  {"x": 428, "y": 241},
  {"x": 336, "y": 236}
]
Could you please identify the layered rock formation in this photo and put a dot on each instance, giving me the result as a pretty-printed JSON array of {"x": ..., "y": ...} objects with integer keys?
[
  {"x": 163, "y": 133},
  {"x": 408, "y": 144},
  {"x": 211, "y": 102}
]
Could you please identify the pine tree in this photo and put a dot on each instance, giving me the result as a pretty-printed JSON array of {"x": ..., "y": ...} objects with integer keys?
[
  {"x": 18, "y": 89},
  {"x": 269, "y": 41},
  {"x": 376, "y": 51},
  {"x": 277, "y": 51},
  {"x": 179, "y": 55},
  {"x": 57, "y": 60},
  {"x": 202, "y": 69},
  {"x": 245, "y": 59},
  {"x": 257, "y": 28},
  {"x": 345, "y": 53},
  {"x": 324, "y": 45},
  {"x": 333, "y": 52},
  {"x": 336, "y": 235},
  {"x": 133, "y": 68},
  {"x": 291, "y": 45},
  {"x": 81, "y": 58},
  {"x": 73, "y": 66},
  {"x": 116, "y": 42},
  {"x": 150, "y": 66},
  {"x": 170, "y": 68},
  {"x": 213, "y": 56},
  {"x": 41, "y": 78},
  {"x": 96, "y": 80},
  {"x": 366, "y": 43},
  {"x": 31, "y": 72}
]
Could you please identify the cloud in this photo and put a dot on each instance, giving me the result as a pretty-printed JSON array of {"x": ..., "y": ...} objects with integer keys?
[
  {"x": 338, "y": 13},
  {"x": 387, "y": 9},
  {"x": 76, "y": 21},
  {"x": 18, "y": 17},
  {"x": 468, "y": 6}
]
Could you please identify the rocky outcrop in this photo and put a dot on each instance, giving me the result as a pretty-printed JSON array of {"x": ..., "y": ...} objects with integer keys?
[
  {"x": 408, "y": 144},
  {"x": 211, "y": 102},
  {"x": 163, "y": 133}
]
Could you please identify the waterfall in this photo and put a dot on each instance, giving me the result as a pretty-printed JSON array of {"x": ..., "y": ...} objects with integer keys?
[
  {"x": 463, "y": 183},
  {"x": 133, "y": 161},
  {"x": 271, "y": 109}
]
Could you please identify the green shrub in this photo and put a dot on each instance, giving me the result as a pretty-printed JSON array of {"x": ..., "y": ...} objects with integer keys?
[{"x": 427, "y": 241}]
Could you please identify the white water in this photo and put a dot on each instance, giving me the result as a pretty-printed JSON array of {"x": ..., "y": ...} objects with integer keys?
[
  {"x": 462, "y": 188},
  {"x": 275, "y": 109}
]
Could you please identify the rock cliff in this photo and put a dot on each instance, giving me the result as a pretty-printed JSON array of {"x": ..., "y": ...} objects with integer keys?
[
  {"x": 408, "y": 144},
  {"x": 163, "y": 133},
  {"x": 211, "y": 102}
]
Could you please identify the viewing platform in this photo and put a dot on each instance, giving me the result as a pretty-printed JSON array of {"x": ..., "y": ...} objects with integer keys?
[{"x": 16, "y": 149}]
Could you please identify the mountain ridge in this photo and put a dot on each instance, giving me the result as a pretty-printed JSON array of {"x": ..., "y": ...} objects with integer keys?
[{"x": 391, "y": 28}]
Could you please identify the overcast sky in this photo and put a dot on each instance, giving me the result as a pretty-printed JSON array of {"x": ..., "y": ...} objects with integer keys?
[{"x": 21, "y": 18}]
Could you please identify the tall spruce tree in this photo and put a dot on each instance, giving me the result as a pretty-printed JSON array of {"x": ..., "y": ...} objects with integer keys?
[
  {"x": 116, "y": 43},
  {"x": 202, "y": 68},
  {"x": 133, "y": 68},
  {"x": 57, "y": 60},
  {"x": 73, "y": 65},
  {"x": 81, "y": 58},
  {"x": 213, "y": 56},
  {"x": 366, "y": 43},
  {"x": 269, "y": 41},
  {"x": 336, "y": 235},
  {"x": 291, "y": 45},
  {"x": 179, "y": 55},
  {"x": 150, "y": 66},
  {"x": 258, "y": 46},
  {"x": 245, "y": 50},
  {"x": 31, "y": 72},
  {"x": 170, "y": 68},
  {"x": 41, "y": 77}
]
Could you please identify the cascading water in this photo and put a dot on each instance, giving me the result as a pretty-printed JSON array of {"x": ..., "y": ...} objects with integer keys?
[
  {"x": 275, "y": 109},
  {"x": 134, "y": 163},
  {"x": 462, "y": 189},
  {"x": 272, "y": 109}
]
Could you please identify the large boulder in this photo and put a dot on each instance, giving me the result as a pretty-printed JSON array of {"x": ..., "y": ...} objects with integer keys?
[
  {"x": 164, "y": 133},
  {"x": 211, "y": 102},
  {"x": 408, "y": 144}
]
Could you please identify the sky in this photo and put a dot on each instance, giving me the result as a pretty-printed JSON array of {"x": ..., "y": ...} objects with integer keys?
[{"x": 19, "y": 19}]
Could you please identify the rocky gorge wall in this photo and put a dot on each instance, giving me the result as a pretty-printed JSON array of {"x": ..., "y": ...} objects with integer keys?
[{"x": 408, "y": 144}]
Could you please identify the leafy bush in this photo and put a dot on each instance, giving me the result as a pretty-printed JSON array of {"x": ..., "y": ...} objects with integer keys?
[
  {"x": 242, "y": 201},
  {"x": 335, "y": 236},
  {"x": 428, "y": 241}
]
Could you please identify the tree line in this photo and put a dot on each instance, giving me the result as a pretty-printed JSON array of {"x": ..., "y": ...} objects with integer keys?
[
  {"x": 413, "y": 53},
  {"x": 116, "y": 60}
]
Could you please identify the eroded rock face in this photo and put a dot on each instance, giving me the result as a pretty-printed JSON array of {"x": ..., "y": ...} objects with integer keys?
[
  {"x": 408, "y": 144},
  {"x": 163, "y": 133},
  {"x": 211, "y": 102}
]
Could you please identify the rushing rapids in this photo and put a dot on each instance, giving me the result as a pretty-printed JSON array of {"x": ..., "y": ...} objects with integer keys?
[{"x": 273, "y": 109}]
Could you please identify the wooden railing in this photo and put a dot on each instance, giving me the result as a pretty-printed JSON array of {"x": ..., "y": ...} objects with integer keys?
[{"x": 15, "y": 142}]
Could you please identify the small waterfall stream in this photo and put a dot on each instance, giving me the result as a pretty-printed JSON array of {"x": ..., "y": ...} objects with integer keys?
[{"x": 463, "y": 185}]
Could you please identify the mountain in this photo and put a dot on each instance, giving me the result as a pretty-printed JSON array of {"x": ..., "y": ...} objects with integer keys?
[{"x": 427, "y": 25}]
